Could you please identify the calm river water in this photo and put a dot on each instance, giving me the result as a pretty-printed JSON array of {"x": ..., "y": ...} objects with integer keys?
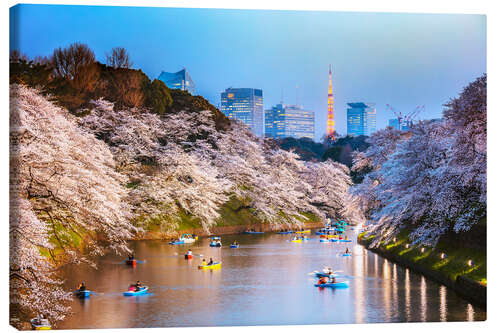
[{"x": 263, "y": 282}]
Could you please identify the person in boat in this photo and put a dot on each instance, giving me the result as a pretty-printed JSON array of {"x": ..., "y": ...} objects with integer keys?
[
  {"x": 81, "y": 287},
  {"x": 211, "y": 262},
  {"x": 332, "y": 279},
  {"x": 235, "y": 242},
  {"x": 203, "y": 263},
  {"x": 131, "y": 257},
  {"x": 219, "y": 243},
  {"x": 189, "y": 252},
  {"x": 329, "y": 271},
  {"x": 138, "y": 285},
  {"x": 322, "y": 280},
  {"x": 347, "y": 250}
]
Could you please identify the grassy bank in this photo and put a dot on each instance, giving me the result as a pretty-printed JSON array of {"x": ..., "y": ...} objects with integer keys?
[
  {"x": 454, "y": 264},
  {"x": 234, "y": 213}
]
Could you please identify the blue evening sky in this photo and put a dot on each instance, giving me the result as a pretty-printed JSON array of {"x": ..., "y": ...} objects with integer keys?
[{"x": 400, "y": 59}]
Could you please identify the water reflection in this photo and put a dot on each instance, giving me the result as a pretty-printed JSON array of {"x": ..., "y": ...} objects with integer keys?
[
  {"x": 394, "y": 286},
  {"x": 470, "y": 312},
  {"x": 423, "y": 299},
  {"x": 264, "y": 282},
  {"x": 442, "y": 304},
  {"x": 407, "y": 295}
]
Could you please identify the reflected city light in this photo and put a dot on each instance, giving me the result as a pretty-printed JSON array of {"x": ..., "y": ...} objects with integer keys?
[
  {"x": 387, "y": 290},
  {"x": 395, "y": 299},
  {"x": 423, "y": 300},
  {"x": 470, "y": 312},
  {"x": 359, "y": 290},
  {"x": 407, "y": 295},
  {"x": 442, "y": 304}
]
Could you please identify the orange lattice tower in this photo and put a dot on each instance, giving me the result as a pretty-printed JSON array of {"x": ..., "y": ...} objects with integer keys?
[{"x": 330, "y": 124}]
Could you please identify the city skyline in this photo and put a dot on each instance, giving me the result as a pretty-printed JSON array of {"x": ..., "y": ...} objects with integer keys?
[
  {"x": 401, "y": 59},
  {"x": 283, "y": 120},
  {"x": 245, "y": 105}
]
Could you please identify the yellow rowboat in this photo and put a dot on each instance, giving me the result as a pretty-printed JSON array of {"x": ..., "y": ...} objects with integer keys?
[
  {"x": 213, "y": 266},
  {"x": 296, "y": 240},
  {"x": 303, "y": 232},
  {"x": 40, "y": 324}
]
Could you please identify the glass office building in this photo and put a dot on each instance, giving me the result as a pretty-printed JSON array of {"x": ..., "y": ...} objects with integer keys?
[
  {"x": 361, "y": 119},
  {"x": 245, "y": 105},
  {"x": 283, "y": 121},
  {"x": 180, "y": 80}
]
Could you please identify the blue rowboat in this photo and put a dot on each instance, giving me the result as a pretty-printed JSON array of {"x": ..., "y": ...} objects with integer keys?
[
  {"x": 82, "y": 294},
  {"x": 334, "y": 240},
  {"x": 253, "y": 232},
  {"x": 333, "y": 285},
  {"x": 347, "y": 255},
  {"x": 323, "y": 240},
  {"x": 215, "y": 244},
  {"x": 215, "y": 238},
  {"x": 345, "y": 240},
  {"x": 141, "y": 291},
  {"x": 234, "y": 246},
  {"x": 318, "y": 274},
  {"x": 284, "y": 232}
]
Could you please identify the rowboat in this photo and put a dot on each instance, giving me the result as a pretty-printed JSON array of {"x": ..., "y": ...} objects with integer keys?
[
  {"x": 319, "y": 275},
  {"x": 131, "y": 262},
  {"x": 234, "y": 246},
  {"x": 253, "y": 232},
  {"x": 141, "y": 291},
  {"x": 184, "y": 239},
  {"x": 333, "y": 285},
  {"x": 82, "y": 293},
  {"x": 40, "y": 324},
  {"x": 215, "y": 265},
  {"x": 303, "y": 231}
]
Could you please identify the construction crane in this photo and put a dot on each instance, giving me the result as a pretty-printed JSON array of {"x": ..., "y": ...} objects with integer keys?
[{"x": 407, "y": 119}]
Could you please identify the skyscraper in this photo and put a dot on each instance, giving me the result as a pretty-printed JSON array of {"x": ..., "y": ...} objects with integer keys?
[
  {"x": 282, "y": 121},
  {"x": 330, "y": 124},
  {"x": 179, "y": 80},
  {"x": 245, "y": 105},
  {"x": 361, "y": 119}
]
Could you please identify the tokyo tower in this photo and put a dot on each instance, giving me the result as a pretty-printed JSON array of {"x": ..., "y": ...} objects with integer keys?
[{"x": 330, "y": 124}]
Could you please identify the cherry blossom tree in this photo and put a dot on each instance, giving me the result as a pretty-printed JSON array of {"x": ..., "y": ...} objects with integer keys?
[
  {"x": 66, "y": 200},
  {"x": 431, "y": 179}
]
